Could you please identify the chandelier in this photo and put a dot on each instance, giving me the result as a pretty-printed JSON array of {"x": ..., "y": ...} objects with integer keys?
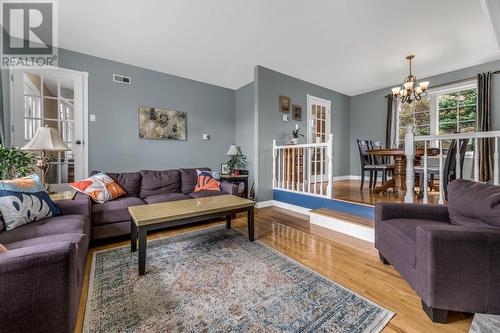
[{"x": 410, "y": 91}]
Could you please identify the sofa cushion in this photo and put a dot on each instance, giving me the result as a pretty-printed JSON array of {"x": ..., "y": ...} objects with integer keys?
[
  {"x": 203, "y": 194},
  {"x": 471, "y": 203},
  {"x": 114, "y": 211},
  {"x": 62, "y": 224},
  {"x": 152, "y": 199},
  {"x": 403, "y": 236},
  {"x": 189, "y": 178},
  {"x": 129, "y": 181},
  {"x": 159, "y": 182},
  {"x": 73, "y": 238},
  {"x": 100, "y": 188},
  {"x": 206, "y": 182}
]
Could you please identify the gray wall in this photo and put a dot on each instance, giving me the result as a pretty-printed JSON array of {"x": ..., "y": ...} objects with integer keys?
[
  {"x": 368, "y": 111},
  {"x": 244, "y": 126},
  {"x": 269, "y": 86},
  {"x": 113, "y": 138}
]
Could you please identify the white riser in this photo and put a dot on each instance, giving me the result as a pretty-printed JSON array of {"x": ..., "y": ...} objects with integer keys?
[{"x": 351, "y": 229}]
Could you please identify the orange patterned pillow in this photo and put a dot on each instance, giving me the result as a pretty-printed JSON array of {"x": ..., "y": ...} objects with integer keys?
[
  {"x": 3, "y": 249},
  {"x": 206, "y": 182},
  {"x": 100, "y": 188}
]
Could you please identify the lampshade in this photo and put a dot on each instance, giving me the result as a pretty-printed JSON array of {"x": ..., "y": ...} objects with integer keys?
[
  {"x": 46, "y": 139},
  {"x": 232, "y": 151}
]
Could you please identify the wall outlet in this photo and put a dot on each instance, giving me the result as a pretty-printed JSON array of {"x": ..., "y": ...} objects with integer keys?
[
  {"x": 92, "y": 117},
  {"x": 206, "y": 137}
]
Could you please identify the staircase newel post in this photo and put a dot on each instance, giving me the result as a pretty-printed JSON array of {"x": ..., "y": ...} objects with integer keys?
[
  {"x": 410, "y": 157},
  {"x": 274, "y": 164},
  {"x": 329, "y": 190}
]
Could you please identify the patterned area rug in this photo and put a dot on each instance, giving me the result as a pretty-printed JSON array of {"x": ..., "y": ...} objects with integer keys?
[{"x": 215, "y": 280}]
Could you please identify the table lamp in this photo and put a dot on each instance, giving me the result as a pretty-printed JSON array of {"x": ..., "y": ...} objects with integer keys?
[
  {"x": 233, "y": 151},
  {"x": 45, "y": 139}
]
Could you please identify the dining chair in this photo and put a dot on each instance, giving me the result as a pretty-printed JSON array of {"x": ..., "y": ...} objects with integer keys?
[
  {"x": 381, "y": 161},
  {"x": 449, "y": 167},
  {"x": 368, "y": 164}
]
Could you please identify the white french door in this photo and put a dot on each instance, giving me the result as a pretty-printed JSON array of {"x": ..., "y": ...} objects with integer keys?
[
  {"x": 55, "y": 98},
  {"x": 318, "y": 130}
]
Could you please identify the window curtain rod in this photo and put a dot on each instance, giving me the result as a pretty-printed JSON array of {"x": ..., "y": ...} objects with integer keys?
[{"x": 461, "y": 80}]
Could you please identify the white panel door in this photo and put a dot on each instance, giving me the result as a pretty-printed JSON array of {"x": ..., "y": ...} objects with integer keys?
[
  {"x": 318, "y": 130},
  {"x": 55, "y": 98}
]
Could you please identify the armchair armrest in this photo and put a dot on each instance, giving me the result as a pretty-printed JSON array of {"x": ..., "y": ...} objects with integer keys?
[
  {"x": 459, "y": 267},
  {"x": 229, "y": 188},
  {"x": 80, "y": 206},
  {"x": 389, "y": 211},
  {"x": 37, "y": 287}
]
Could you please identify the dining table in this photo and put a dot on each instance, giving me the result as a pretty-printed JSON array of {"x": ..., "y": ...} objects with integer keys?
[{"x": 398, "y": 181}]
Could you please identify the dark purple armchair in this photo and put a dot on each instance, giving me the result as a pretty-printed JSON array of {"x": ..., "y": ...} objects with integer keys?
[{"x": 450, "y": 255}]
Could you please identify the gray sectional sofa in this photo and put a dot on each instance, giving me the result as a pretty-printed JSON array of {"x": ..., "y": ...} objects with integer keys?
[{"x": 41, "y": 274}]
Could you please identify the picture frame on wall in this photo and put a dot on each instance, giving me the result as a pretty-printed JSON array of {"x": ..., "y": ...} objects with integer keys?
[
  {"x": 285, "y": 104},
  {"x": 223, "y": 169},
  {"x": 297, "y": 112},
  {"x": 162, "y": 124}
]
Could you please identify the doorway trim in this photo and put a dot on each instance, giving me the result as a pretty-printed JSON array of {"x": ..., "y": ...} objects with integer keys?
[
  {"x": 310, "y": 100},
  {"x": 85, "y": 108}
]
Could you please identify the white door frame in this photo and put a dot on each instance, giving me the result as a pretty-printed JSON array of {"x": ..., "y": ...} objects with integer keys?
[
  {"x": 84, "y": 77},
  {"x": 324, "y": 102}
]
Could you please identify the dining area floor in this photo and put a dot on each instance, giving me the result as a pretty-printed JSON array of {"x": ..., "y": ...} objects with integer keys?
[{"x": 349, "y": 190}]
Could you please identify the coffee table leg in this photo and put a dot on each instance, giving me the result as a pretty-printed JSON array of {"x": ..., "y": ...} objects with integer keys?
[
  {"x": 228, "y": 221},
  {"x": 133, "y": 236},
  {"x": 251, "y": 237},
  {"x": 143, "y": 237}
]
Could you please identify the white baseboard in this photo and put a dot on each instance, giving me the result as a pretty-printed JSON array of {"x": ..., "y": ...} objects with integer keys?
[
  {"x": 262, "y": 204},
  {"x": 284, "y": 205},
  {"x": 350, "y": 229}
]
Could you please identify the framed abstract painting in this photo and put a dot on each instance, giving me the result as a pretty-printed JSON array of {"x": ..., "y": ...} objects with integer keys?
[{"x": 162, "y": 124}]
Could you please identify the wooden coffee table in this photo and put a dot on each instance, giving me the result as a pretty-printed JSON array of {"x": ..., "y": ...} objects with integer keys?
[{"x": 167, "y": 214}]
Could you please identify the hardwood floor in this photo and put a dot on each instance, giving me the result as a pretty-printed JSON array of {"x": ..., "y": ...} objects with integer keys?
[
  {"x": 351, "y": 262},
  {"x": 348, "y": 190}
]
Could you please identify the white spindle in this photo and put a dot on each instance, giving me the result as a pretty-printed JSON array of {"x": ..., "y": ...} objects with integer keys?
[
  {"x": 282, "y": 168},
  {"x": 476, "y": 159},
  {"x": 441, "y": 173},
  {"x": 303, "y": 154},
  {"x": 309, "y": 167},
  {"x": 274, "y": 163},
  {"x": 321, "y": 170},
  {"x": 426, "y": 198},
  {"x": 495, "y": 168},
  {"x": 329, "y": 190},
  {"x": 458, "y": 166},
  {"x": 315, "y": 156},
  {"x": 293, "y": 168},
  {"x": 288, "y": 169}
]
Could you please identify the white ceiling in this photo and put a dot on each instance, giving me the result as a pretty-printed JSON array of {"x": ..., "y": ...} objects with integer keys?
[{"x": 351, "y": 46}]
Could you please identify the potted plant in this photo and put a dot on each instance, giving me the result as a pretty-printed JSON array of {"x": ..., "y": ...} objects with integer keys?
[
  {"x": 236, "y": 163},
  {"x": 15, "y": 163},
  {"x": 296, "y": 134}
]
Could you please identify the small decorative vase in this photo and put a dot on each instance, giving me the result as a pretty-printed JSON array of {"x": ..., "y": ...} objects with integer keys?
[
  {"x": 236, "y": 172},
  {"x": 295, "y": 141}
]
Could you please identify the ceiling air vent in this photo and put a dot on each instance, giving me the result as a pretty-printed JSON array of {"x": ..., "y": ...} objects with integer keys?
[{"x": 122, "y": 79}]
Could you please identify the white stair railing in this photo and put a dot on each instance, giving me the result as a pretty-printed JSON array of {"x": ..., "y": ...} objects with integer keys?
[
  {"x": 304, "y": 168},
  {"x": 411, "y": 140}
]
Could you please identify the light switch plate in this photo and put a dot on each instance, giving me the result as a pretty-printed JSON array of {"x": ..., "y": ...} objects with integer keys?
[
  {"x": 92, "y": 117},
  {"x": 206, "y": 137},
  {"x": 285, "y": 117}
]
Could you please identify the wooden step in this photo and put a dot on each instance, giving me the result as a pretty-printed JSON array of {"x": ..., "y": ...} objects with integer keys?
[{"x": 349, "y": 224}]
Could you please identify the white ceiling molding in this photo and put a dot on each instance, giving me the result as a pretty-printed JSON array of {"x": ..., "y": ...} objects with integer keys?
[{"x": 491, "y": 9}]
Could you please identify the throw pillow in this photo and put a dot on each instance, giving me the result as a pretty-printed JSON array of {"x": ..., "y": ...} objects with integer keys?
[
  {"x": 25, "y": 200},
  {"x": 100, "y": 187},
  {"x": 3, "y": 249},
  {"x": 206, "y": 182}
]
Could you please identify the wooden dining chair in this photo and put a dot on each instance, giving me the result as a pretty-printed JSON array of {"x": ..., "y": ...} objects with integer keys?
[
  {"x": 381, "y": 161},
  {"x": 368, "y": 164},
  {"x": 449, "y": 167}
]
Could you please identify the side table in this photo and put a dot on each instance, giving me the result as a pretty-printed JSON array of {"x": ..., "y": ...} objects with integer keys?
[{"x": 236, "y": 180}]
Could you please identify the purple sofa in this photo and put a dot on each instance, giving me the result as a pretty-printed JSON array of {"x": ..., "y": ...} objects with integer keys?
[
  {"x": 41, "y": 274},
  {"x": 449, "y": 255},
  {"x": 112, "y": 219}
]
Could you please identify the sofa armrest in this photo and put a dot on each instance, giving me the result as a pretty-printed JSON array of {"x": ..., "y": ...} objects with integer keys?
[
  {"x": 37, "y": 288},
  {"x": 458, "y": 267},
  {"x": 390, "y": 211},
  {"x": 229, "y": 188},
  {"x": 80, "y": 206}
]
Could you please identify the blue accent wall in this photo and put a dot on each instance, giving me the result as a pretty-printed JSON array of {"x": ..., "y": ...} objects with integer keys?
[{"x": 312, "y": 202}]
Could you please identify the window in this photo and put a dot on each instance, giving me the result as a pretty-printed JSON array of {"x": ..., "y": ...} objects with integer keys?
[{"x": 445, "y": 110}]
